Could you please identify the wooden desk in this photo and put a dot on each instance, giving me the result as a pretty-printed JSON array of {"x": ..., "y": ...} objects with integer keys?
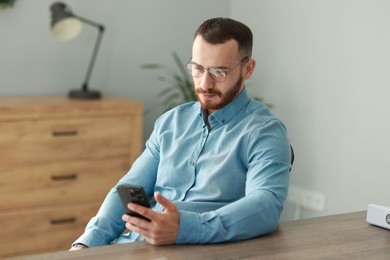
[{"x": 345, "y": 236}]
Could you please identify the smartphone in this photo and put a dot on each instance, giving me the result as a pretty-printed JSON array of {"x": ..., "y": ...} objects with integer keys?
[{"x": 135, "y": 194}]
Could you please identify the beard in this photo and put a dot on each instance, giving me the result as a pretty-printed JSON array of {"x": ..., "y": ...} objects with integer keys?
[{"x": 225, "y": 99}]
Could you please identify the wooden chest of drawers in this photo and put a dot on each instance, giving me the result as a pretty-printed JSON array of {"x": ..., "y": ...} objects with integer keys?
[{"x": 58, "y": 159}]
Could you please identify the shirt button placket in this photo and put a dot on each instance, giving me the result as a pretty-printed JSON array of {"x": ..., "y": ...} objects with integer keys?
[{"x": 199, "y": 148}]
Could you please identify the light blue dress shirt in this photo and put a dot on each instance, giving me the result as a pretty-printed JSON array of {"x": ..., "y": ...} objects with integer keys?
[{"x": 229, "y": 183}]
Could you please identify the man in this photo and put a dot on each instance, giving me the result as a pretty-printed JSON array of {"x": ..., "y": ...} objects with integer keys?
[{"x": 218, "y": 168}]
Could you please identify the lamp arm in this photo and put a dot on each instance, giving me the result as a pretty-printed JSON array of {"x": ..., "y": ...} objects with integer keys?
[
  {"x": 95, "y": 50},
  {"x": 92, "y": 23}
]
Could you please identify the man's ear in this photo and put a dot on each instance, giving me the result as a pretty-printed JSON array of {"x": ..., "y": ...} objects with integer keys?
[{"x": 249, "y": 67}]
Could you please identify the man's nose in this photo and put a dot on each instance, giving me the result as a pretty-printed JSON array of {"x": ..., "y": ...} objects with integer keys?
[{"x": 206, "y": 82}]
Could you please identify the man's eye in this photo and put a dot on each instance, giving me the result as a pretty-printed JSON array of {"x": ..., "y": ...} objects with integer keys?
[
  {"x": 217, "y": 71},
  {"x": 197, "y": 68}
]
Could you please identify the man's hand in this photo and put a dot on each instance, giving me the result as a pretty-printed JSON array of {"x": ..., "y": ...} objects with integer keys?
[{"x": 162, "y": 228}]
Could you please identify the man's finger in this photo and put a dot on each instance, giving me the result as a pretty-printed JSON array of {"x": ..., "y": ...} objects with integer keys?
[
  {"x": 137, "y": 208},
  {"x": 168, "y": 206}
]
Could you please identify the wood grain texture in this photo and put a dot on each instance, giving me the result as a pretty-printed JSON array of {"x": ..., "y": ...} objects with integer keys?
[
  {"x": 58, "y": 159},
  {"x": 344, "y": 236}
]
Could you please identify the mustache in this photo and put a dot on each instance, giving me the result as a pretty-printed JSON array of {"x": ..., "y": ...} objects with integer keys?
[{"x": 210, "y": 91}]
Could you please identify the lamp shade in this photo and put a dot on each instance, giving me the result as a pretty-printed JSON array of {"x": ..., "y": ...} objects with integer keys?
[{"x": 64, "y": 24}]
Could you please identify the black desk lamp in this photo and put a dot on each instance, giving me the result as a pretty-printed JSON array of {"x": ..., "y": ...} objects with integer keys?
[{"x": 65, "y": 26}]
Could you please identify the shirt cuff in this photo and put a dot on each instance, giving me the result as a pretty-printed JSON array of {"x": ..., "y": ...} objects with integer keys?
[
  {"x": 189, "y": 228},
  {"x": 79, "y": 244}
]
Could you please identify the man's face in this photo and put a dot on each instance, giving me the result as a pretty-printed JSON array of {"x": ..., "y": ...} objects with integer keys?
[{"x": 214, "y": 95}]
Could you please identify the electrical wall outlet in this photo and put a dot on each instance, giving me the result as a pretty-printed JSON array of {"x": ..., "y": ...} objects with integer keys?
[{"x": 313, "y": 200}]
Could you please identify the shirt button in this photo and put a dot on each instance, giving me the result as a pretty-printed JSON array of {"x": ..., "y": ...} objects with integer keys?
[{"x": 223, "y": 121}]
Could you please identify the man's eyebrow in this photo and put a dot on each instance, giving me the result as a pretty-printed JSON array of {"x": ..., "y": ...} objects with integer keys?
[
  {"x": 222, "y": 67},
  {"x": 192, "y": 62},
  {"x": 215, "y": 67}
]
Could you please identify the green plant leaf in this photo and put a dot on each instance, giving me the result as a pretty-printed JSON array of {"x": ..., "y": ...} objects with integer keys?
[
  {"x": 152, "y": 66},
  {"x": 179, "y": 87}
]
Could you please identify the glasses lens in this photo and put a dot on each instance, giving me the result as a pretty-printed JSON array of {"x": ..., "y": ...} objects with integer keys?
[
  {"x": 217, "y": 74},
  {"x": 194, "y": 70}
]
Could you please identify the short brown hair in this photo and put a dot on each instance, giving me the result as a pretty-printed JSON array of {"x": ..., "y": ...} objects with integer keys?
[{"x": 219, "y": 30}]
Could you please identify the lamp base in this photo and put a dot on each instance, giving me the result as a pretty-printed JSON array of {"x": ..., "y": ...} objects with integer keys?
[{"x": 85, "y": 94}]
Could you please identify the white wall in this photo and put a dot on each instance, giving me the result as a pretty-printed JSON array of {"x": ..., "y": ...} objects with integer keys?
[{"x": 324, "y": 64}]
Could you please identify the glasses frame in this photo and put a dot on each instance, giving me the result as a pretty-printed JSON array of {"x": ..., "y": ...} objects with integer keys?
[{"x": 210, "y": 70}]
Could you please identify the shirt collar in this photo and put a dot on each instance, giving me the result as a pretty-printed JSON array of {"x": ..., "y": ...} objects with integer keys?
[{"x": 225, "y": 114}]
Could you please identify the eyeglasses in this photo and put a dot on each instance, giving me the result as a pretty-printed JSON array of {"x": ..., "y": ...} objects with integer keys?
[{"x": 217, "y": 74}]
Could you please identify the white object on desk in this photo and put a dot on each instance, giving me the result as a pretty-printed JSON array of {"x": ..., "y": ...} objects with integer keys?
[{"x": 378, "y": 215}]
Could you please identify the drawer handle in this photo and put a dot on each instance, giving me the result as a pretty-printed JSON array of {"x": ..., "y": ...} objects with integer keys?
[
  {"x": 64, "y": 133},
  {"x": 62, "y": 221},
  {"x": 68, "y": 177}
]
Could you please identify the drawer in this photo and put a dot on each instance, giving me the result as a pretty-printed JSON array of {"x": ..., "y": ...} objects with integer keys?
[
  {"x": 64, "y": 139},
  {"x": 49, "y": 229},
  {"x": 59, "y": 183}
]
